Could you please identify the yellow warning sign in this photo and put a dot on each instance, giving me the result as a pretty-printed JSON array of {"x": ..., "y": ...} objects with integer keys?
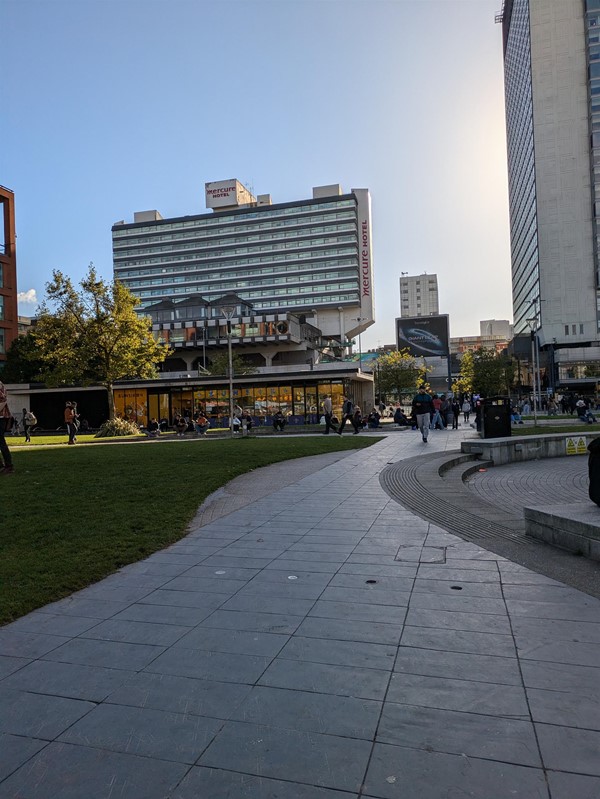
[{"x": 576, "y": 445}]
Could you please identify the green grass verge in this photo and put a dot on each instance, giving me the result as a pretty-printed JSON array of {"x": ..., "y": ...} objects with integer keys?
[
  {"x": 546, "y": 429},
  {"x": 72, "y": 515}
]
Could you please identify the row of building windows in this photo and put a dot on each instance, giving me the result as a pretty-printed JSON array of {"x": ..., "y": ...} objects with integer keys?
[
  {"x": 140, "y": 247},
  {"x": 234, "y": 283},
  {"x": 216, "y": 220}
]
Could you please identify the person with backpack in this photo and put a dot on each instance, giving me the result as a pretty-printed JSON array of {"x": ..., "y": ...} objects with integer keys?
[
  {"x": 29, "y": 422},
  {"x": 70, "y": 421}
]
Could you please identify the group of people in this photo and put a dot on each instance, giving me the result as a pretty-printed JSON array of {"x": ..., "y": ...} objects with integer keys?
[{"x": 437, "y": 412}]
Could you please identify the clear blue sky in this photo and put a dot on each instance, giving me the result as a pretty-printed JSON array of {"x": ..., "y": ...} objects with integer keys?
[{"x": 116, "y": 106}]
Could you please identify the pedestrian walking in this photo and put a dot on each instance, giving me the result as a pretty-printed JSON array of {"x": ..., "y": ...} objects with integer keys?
[
  {"x": 347, "y": 414},
  {"x": 455, "y": 413},
  {"x": 29, "y": 422},
  {"x": 5, "y": 424},
  {"x": 466, "y": 409},
  {"x": 70, "y": 420},
  {"x": 327, "y": 406},
  {"x": 356, "y": 420},
  {"x": 422, "y": 406}
]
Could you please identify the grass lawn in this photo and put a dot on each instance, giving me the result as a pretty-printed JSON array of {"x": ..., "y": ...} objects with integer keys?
[
  {"x": 563, "y": 429},
  {"x": 72, "y": 515}
]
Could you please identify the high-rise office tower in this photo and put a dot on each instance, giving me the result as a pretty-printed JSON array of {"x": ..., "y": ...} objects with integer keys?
[
  {"x": 419, "y": 295},
  {"x": 552, "y": 86}
]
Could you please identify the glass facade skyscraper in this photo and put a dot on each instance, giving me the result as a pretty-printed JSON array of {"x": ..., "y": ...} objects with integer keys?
[{"x": 552, "y": 88}]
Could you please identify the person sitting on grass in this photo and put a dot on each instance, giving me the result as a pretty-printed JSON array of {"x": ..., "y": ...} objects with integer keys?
[
  {"x": 279, "y": 422},
  {"x": 373, "y": 419},
  {"x": 400, "y": 418},
  {"x": 181, "y": 426},
  {"x": 201, "y": 424},
  {"x": 153, "y": 429},
  {"x": 515, "y": 417}
]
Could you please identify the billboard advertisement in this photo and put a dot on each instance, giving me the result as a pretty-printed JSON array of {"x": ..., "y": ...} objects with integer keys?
[{"x": 423, "y": 336}]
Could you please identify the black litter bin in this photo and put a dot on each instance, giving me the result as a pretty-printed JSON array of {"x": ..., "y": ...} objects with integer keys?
[
  {"x": 496, "y": 417},
  {"x": 594, "y": 470}
]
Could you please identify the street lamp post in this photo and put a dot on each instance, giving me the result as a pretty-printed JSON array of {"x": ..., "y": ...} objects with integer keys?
[
  {"x": 534, "y": 365},
  {"x": 228, "y": 312}
]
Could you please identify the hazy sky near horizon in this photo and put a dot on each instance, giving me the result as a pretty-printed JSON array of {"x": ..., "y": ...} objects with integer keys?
[{"x": 117, "y": 106}]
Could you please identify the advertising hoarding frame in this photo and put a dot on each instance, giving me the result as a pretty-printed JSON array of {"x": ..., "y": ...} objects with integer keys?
[{"x": 424, "y": 336}]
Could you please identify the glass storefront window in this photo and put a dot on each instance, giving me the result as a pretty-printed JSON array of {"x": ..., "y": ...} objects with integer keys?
[{"x": 132, "y": 404}]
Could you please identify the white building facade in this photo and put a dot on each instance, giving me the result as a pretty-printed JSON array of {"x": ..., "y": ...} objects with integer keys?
[
  {"x": 310, "y": 257},
  {"x": 419, "y": 295}
]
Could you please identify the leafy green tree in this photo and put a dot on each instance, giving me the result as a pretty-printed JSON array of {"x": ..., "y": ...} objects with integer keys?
[
  {"x": 493, "y": 373},
  {"x": 23, "y": 364},
  {"x": 464, "y": 382},
  {"x": 398, "y": 372},
  {"x": 220, "y": 364},
  {"x": 92, "y": 335}
]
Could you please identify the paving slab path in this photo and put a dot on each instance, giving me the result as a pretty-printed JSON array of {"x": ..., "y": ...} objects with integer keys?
[{"x": 319, "y": 641}]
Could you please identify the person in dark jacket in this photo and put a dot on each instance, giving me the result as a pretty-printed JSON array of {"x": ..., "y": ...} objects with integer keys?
[
  {"x": 347, "y": 414},
  {"x": 422, "y": 407}
]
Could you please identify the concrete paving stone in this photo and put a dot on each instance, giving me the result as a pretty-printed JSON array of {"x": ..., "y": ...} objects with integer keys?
[
  {"x": 343, "y": 653},
  {"x": 336, "y": 549},
  {"x": 110, "y": 654},
  {"x": 90, "y": 608},
  {"x": 471, "y": 565},
  {"x": 347, "y": 716},
  {"x": 366, "y": 594},
  {"x": 114, "y": 593},
  {"x": 459, "y": 641},
  {"x": 38, "y": 716},
  {"x": 569, "y": 708},
  {"x": 185, "y": 599},
  {"x": 334, "y": 538},
  {"x": 100, "y": 775},
  {"x": 136, "y": 632},
  {"x": 550, "y": 593},
  {"x": 465, "y": 695},
  {"x": 123, "y": 577},
  {"x": 458, "y": 620},
  {"x": 556, "y": 630},
  {"x": 328, "y": 761},
  {"x": 376, "y": 549},
  {"x": 312, "y": 578},
  {"x": 560, "y": 676},
  {"x": 317, "y": 557},
  {"x": 524, "y": 578},
  {"x": 454, "y": 732},
  {"x": 8, "y": 665},
  {"x": 443, "y": 572},
  {"x": 257, "y": 551},
  {"x": 292, "y": 589},
  {"x": 229, "y": 573},
  {"x": 269, "y": 604},
  {"x": 144, "y": 731},
  {"x": 212, "y": 783},
  {"x": 573, "y": 786},
  {"x": 359, "y": 581},
  {"x": 158, "y": 569},
  {"x": 14, "y": 751},
  {"x": 180, "y": 694},
  {"x": 92, "y": 683},
  {"x": 229, "y": 562},
  {"x": 242, "y": 641},
  {"x": 167, "y": 556},
  {"x": 358, "y": 611},
  {"x": 282, "y": 623},
  {"x": 395, "y": 570},
  {"x": 554, "y": 610},
  {"x": 205, "y": 585},
  {"x": 202, "y": 665},
  {"x": 345, "y": 630},
  {"x": 576, "y": 653},
  {"x": 325, "y": 678},
  {"x": 50, "y": 624},
  {"x": 294, "y": 566},
  {"x": 376, "y": 560},
  {"x": 28, "y": 645},
  {"x": 458, "y": 665},
  {"x": 396, "y": 772},
  {"x": 165, "y": 614},
  {"x": 274, "y": 539},
  {"x": 454, "y": 601},
  {"x": 470, "y": 590},
  {"x": 569, "y": 749}
]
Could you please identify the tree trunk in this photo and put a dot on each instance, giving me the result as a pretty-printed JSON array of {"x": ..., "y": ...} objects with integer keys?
[{"x": 111, "y": 401}]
